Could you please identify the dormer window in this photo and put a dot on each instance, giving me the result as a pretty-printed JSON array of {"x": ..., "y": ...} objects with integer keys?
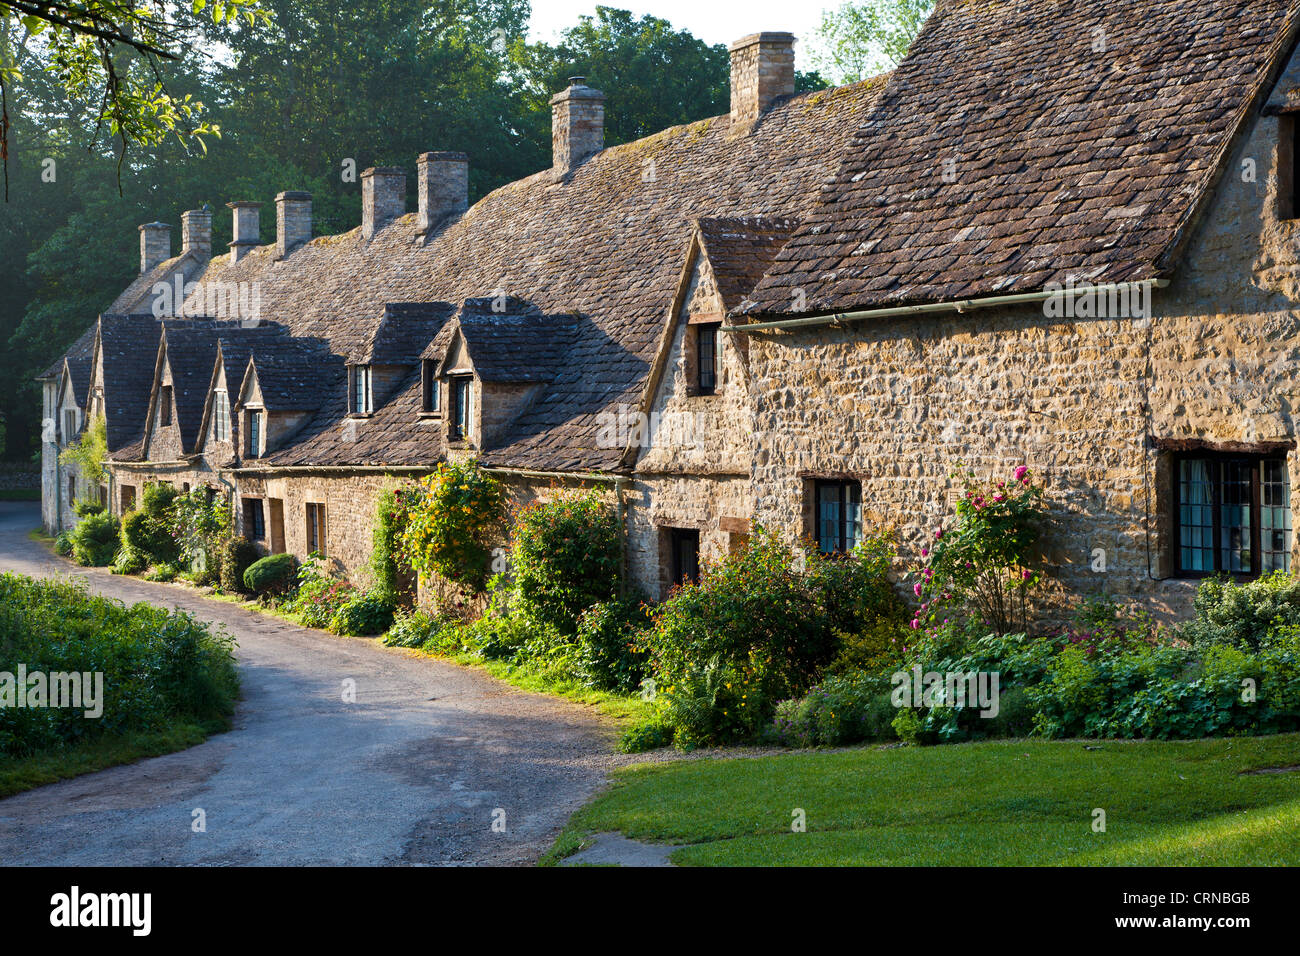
[
  {"x": 706, "y": 354},
  {"x": 462, "y": 410},
  {"x": 255, "y": 430},
  {"x": 429, "y": 380},
  {"x": 359, "y": 384},
  {"x": 220, "y": 416},
  {"x": 165, "y": 406},
  {"x": 69, "y": 425}
]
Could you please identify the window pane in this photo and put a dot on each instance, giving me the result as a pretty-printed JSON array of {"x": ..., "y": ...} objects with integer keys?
[
  {"x": 707, "y": 356},
  {"x": 1234, "y": 516},
  {"x": 1195, "y": 516},
  {"x": 852, "y": 516},
  {"x": 1275, "y": 516},
  {"x": 828, "y": 518}
]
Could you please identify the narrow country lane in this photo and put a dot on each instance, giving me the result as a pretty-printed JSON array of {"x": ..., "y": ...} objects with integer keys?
[{"x": 410, "y": 773}]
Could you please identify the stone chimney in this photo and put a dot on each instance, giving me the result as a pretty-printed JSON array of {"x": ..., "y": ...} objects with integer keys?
[
  {"x": 762, "y": 69},
  {"x": 155, "y": 245},
  {"x": 292, "y": 221},
  {"x": 444, "y": 187},
  {"x": 383, "y": 198},
  {"x": 245, "y": 229},
  {"x": 196, "y": 233},
  {"x": 577, "y": 125}
]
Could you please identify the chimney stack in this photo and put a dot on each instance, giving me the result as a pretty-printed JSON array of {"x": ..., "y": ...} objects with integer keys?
[
  {"x": 383, "y": 198},
  {"x": 246, "y": 228},
  {"x": 577, "y": 125},
  {"x": 292, "y": 221},
  {"x": 762, "y": 70},
  {"x": 155, "y": 245},
  {"x": 196, "y": 233},
  {"x": 443, "y": 186}
]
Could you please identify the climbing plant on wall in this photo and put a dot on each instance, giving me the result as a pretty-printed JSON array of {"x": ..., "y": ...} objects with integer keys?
[{"x": 452, "y": 523}]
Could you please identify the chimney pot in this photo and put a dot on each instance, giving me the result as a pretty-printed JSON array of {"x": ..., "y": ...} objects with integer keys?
[
  {"x": 383, "y": 198},
  {"x": 577, "y": 125},
  {"x": 443, "y": 187},
  {"x": 246, "y": 228},
  {"x": 762, "y": 71},
  {"x": 292, "y": 221},
  {"x": 196, "y": 233},
  {"x": 155, "y": 245}
]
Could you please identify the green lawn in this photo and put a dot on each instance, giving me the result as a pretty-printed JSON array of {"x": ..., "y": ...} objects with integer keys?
[
  {"x": 23, "y": 773},
  {"x": 1006, "y": 803}
]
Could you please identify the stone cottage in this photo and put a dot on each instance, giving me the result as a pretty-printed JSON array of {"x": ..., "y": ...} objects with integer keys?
[{"x": 1058, "y": 234}]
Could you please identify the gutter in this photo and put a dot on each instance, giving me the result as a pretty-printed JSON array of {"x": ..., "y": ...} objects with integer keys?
[{"x": 957, "y": 305}]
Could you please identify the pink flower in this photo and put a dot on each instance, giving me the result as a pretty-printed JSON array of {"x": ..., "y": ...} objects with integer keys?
[
  {"x": 1021, "y": 472},
  {"x": 1025, "y": 574},
  {"x": 915, "y": 624},
  {"x": 999, "y": 498},
  {"x": 925, "y": 552},
  {"x": 916, "y": 588},
  {"x": 938, "y": 534}
]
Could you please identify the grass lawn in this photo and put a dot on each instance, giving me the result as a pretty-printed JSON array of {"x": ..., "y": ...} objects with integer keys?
[
  {"x": 1004, "y": 803},
  {"x": 23, "y": 773}
]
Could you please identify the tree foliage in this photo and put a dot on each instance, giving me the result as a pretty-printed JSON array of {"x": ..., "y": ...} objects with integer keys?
[{"x": 864, "y": 38}]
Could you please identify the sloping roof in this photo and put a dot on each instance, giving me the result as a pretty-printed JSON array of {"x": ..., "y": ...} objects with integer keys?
[
  {"x": 603, "y": 245},
  {"x": 403, "y": 332},
  {"x": 295, "y": 374},
  {"x": 1022, "y": 143},
  {"x": 137, "y": 298},
  {"x": 741, "y": 250},
  {"x": 520, "y": 347},
  {"x": 192, "y": 347},
  {"x": 128, "y": 352}
]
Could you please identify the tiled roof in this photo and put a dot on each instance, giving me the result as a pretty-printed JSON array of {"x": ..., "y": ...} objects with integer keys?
[
  {"x": 516, "y": 347},
  {"x": 295, "y": 374},
  {"x": 403, "y": 332},
  {"x": 603, "y": 245},
  {"x": 1022, "y": 143},
  {"x": 741, "y": 250},
  {"x": 128, "y": 349}
]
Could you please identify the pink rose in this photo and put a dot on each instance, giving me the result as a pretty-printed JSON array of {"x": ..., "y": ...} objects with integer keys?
[{"x": 1021, "y": 472}]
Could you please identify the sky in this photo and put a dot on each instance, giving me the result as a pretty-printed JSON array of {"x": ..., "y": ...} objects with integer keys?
[{"x": 714, "y": 21}]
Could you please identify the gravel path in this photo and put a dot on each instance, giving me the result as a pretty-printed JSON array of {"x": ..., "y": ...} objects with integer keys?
[{"x": 413, "y": 772}]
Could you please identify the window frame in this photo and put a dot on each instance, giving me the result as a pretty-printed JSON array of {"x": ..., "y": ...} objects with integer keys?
[
  {"x": 317, "y": 528},
  {"x": 256, "y": 432},
  {"x": 429, "y": 399},
  {"x": 843, "y": 487},
  {"x": 706, "y": 332},
  {"x": 220, "y": 415},
  {"x": 461, "y": 410},
  {"x": 1256, "y": 460},
  {"x": 165, "y": 406},
  {"x": 676, "y": 567},
  {"x": 361, "y": 383},
  {"x": 254, "y": 529},
  {"x": 1288, "y": 168}
]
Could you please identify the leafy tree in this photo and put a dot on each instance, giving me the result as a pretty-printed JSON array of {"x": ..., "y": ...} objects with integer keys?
[
  {"x": 109, "y": 52},
  {"x": 862, "y": 39}
]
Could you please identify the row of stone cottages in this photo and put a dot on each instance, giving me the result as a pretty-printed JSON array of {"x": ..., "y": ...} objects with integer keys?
[{"x": 806, "y": 312}]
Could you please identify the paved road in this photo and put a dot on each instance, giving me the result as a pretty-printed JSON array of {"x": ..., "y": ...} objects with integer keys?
[{"x": 410, "y": 773}]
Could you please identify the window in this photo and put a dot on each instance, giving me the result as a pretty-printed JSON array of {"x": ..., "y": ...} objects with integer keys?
[
  {"x": 684, "y": 555},
  {"x": 361, "y": 398},
  {"x": 165, "y": 406},
  {"x": 838, "y": 513},
  {"x": 127, "y": 494},
  {"x": 220, "y": 416},
  {"x": 69, "y": 425},
  {"x": 429, "y": 376},
  {"x": 1288, "y": 168},
  {"x": 1232, "y": 515},
  {"x": 255, "y": 433},
  {"x": 315, "y": 528},
  {"x": 72, "y": 488},
  {"x": 462, "y": 411},
  {"x": 254, "y": 519},
  {"x": 706, "y": 357}
]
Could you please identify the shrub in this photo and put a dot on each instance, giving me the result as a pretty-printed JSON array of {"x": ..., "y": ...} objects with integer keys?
[
  {"x": 840, "y": 710},
  {"x": 95, "y": 540},
  {"x": 363, "y": 616},
  {"x": 320, "y": 594},
  {"x": 130, "y": 560},
  {"x": 612, "y": 651},
  {"x": 273, "y": 574},
  {"x": 1243, "y": 614},
  {"x": 159, "y": 666},
  {"x": 85, "y": 507},
  {"x": 649, "y": 733},
  {"x": 163, "y": 572},
  {"x": 566, "y": 557},
  {"x": 148, "y": 529},
  {"x": 452, "y": 523},
  {"x": 983, "y": 561},
  {"x": 389, "y": 567},
  {"x": 200, "y": 522},
  {"x": 157, "y": 498},
  {"x": 413, "y": 629},
  {"x": 236, "y": 556},
  {"x": 63, "y": 543},
  {"x": 749, "y": 634},
  {"x": 88, "y": 452}
]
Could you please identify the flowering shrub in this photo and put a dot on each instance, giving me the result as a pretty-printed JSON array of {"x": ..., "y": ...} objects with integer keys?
[
  {"x": 320, "y": 595},
  {"x": 389, "y": 567},
  {"x": 451, "y": 522},
  {"x": 566, "y": 557},
  {"x": 200, "y": 522},
  {"x": 611, "y": 640},
  {"x": 983, "y": 561}
]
